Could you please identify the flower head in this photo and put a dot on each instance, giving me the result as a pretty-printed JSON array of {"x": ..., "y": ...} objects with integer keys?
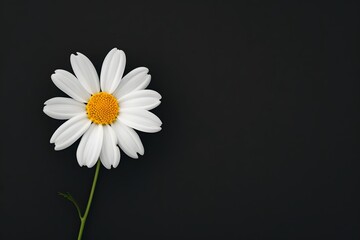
[{"x": 105, "y": 112}]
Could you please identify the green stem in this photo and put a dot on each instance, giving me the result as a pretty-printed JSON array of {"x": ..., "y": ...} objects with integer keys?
[{"x": 83, "y": 218}]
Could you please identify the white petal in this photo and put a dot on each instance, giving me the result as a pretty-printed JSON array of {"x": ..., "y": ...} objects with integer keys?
[
  {"x": 145, "y": 99},
  {"x": 65, "y": 125},
  {"x": 90, "y": 146},
  {"x": 128, "y": 140},
  {"x": 135, "y": 137},
  {"x": 70, "y": 131},
  {"x": 70, "y": 85},
  {"x": 112, "y": 70},
  {"x": 63, "y": 108},
  {"x": 110, "y": 153},
  {"x": 140, "y": 119},
  {"x": 137, "y": 79},
  {"x": 80, "y": 150},
  {"x": 85, "y": 72}
]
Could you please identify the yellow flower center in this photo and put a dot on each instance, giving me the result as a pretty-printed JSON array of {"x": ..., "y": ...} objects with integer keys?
[{"x": 102, "y": 108}]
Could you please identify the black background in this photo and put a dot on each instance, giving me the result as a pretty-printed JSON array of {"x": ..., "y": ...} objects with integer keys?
[{"x": 260, "y": 109}]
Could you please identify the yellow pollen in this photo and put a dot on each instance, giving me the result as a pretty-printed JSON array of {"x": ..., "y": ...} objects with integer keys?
[{"x": 102, "y": 108}]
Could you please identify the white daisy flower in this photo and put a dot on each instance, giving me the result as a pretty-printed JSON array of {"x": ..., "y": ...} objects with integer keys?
[{"x": 104, "y": 113}]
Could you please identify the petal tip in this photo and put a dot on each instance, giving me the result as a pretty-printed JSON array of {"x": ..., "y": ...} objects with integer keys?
[{"x": 46, "y": 111}]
